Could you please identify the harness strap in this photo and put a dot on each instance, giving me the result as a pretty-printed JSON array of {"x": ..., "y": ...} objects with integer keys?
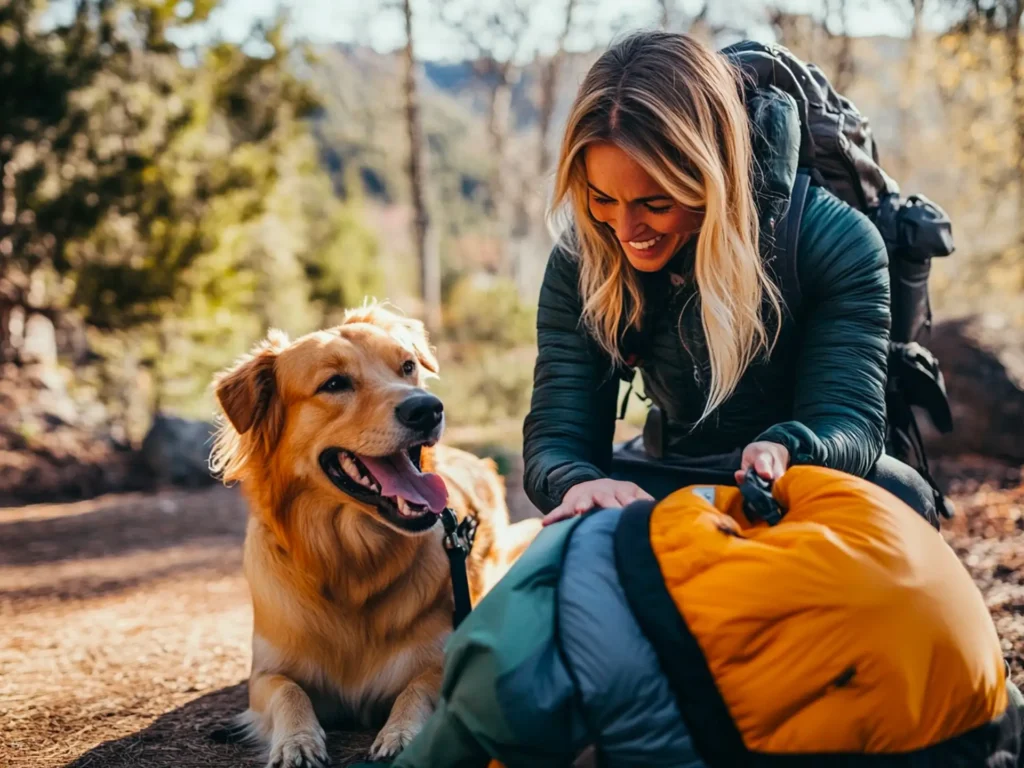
[{"x": 458, "y": 541}]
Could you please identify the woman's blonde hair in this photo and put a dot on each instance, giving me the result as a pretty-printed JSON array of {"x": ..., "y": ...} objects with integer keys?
[{"x": 676, "y": 108}]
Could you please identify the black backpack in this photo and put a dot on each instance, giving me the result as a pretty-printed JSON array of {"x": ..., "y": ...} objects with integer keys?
[{"x": 838, "y": 152}]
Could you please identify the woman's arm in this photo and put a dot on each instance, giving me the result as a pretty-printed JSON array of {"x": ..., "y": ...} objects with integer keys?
[
  {"x": 568, "y": 433},
  {"x": 839, "y": 403}
]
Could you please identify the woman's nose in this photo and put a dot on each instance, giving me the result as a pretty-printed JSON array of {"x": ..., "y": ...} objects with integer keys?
[{"x": 629, "y": 225}]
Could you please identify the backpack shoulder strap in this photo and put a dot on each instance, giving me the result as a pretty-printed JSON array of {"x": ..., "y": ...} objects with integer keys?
[{"x": 787, "y": 242}]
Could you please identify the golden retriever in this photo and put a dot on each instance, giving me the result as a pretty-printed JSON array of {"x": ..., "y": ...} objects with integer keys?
[{"x": 351, "y": 590}]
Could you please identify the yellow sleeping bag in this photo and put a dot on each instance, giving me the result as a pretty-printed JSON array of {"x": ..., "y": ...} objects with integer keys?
[
  {"x": 850, "y": 626},
  {"x": 846, "y": 634}
]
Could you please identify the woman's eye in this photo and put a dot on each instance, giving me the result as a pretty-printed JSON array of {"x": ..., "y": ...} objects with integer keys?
[
  {"x": 601, "y": 201},
  {"x": 336, "y": 383},
  {"x": 659, "y": 208},
  {"x": 408, "y": 367}
]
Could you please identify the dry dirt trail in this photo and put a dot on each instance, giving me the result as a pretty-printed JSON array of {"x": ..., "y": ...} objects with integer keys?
[{"x": 124, "y": 623}]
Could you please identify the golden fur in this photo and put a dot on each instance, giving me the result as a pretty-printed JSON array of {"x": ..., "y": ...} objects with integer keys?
[{"x": 350, "y": 612}]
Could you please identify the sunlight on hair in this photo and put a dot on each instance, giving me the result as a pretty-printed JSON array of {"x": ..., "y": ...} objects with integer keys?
[{"x": 691, "y": 133}]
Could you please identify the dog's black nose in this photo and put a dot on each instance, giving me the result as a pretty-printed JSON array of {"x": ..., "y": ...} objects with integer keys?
[{"x": 421, "y": 412}]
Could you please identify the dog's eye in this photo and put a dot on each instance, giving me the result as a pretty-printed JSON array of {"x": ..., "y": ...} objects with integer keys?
[
  {"x": 408, "y": 367},
  {"x": 337, "y": 383}
]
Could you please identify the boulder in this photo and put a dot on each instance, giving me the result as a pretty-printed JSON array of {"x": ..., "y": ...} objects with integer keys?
[
  {"x": 39, "y": 344},
  {"x": 982, "y": 361},
  {"x": 48, "y": 452},
  {"x": 177, "y": 451}
]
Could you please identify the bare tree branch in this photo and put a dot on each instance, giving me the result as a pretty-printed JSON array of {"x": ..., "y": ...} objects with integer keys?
[
  {"x": 499, "y": 37},
  {"x": 548, "y": 88},
  {"x": 428, "y": 258},
  {"x": 841, "y": 45}
]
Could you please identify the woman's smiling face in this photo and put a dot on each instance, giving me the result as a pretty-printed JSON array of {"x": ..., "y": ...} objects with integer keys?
[{"x": 648, "y": 223}]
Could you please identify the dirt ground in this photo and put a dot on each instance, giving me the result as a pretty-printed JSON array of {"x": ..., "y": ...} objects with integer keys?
[{"x": 124, "y": 621}]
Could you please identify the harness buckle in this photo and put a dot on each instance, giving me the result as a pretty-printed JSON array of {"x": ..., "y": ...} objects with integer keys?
[
  {"x": 458, "y": 541},
  {"x": 458, "y": 536}
]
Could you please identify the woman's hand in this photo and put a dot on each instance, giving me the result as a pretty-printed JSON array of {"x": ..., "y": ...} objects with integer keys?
[
  {"x": 769, "y": 460},
  {"x": 595, "y": 493}
]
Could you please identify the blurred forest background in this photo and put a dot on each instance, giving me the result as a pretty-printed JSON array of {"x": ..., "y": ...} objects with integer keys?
[
  {"x": 178, "y": 176},
  {"x": 170, "y": 191}
]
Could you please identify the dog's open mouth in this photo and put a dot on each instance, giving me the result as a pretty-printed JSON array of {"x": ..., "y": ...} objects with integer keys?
[{"x": 403, "y": 495}]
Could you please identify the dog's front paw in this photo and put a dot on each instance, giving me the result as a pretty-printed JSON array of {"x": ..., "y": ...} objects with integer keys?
[
  {"x": 304, "y": 749},
  {"x": 393, "y": 738}
]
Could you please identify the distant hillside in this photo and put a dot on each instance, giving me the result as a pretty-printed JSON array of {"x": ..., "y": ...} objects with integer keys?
[
  {"x": 362, "y": 136},
  {"x": 363, "y": 126},
  {"x": 362, "y": 131}
]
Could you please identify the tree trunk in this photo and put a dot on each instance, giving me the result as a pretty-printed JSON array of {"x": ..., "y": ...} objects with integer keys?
[
  {"x": 917, "y": 24},
  {"x": 548, "y": 90},
  {"x": 549, "y": 79},
  {"x": 428, "y": 257},
  {"x": 906, "y": 113},
  {"x": 8, "y": 215},
  {"x": 6, "y": 348},
  {"x": 1015, "y": 10},
  {"x": 158, "y": 381},
  {"x": 499, "y": 114},
  {"x": 845, "y": 67}
]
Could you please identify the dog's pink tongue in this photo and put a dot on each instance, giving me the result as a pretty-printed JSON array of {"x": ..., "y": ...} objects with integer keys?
[{"x": 398, "y": 476}]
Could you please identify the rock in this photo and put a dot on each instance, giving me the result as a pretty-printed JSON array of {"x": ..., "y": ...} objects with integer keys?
[
  {"x": 982, "y": 361},
  {"x": 44, "y": 377},
  {"x": 39, "y": 344},
  {"x": 72, "y": 340},
  {"x": 48, "y": 451},
  {"x": 57, "y": 408},
  {"x": 177, "y": 451}
]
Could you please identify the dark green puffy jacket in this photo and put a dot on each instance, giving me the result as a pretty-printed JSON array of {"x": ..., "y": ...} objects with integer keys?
[{"x": 821, "y": 393}]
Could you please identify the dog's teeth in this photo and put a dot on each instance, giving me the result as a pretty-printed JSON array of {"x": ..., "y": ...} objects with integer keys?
[
  {"x": 405, "y": 509},
  {"x": 350, "y": 467},
  {"x": 358, "y": 473}
]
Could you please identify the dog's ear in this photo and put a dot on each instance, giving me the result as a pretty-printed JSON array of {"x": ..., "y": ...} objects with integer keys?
[
  {"x": 248, "y": 396},
  {"x": 406, "y": 329},
  {"x": 248, "y": 392},
  {"x": 414, "y": 332}
]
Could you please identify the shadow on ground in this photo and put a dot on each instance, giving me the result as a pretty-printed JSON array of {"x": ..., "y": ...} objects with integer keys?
[
  {"x": 183, "y": 737},
  {"x": 210, "y": 563},
  {"x": 116, "y": 526}
]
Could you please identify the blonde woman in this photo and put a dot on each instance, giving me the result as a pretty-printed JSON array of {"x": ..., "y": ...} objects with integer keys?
[{"x": 670, "y": 194}]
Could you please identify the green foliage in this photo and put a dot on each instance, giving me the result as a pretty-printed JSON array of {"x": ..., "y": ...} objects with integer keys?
[
  {"x": 180, "y": 210},
  {"x": 487, "y": 359},
  {"x": 485, "y": 384},
  {"x": 341, "y": 265},
  {"x": 489, "y": 310}
]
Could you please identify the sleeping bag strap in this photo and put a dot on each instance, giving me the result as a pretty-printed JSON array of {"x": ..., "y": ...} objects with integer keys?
[
  {"x": 458, "y": 541},
  {"x": 758, "y": 501}
]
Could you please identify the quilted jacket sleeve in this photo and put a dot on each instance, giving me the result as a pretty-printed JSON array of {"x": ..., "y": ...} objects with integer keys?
[
  {"x": 839, "y": 405},
  {"x": 568, "y": 433}
]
